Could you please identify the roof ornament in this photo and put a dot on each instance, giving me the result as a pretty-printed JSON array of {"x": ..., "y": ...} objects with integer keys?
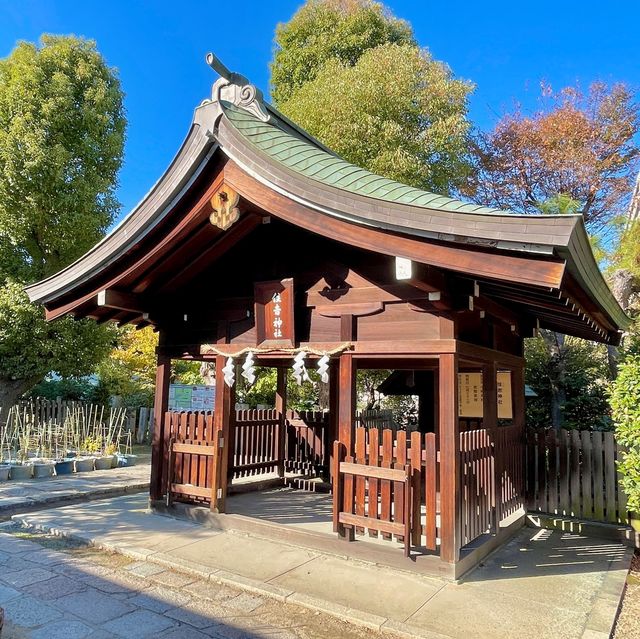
[{"x": 236, "y": 89}]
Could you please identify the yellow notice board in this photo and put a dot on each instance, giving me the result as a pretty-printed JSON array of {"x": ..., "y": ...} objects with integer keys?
[{"x": 470, "y": 395}]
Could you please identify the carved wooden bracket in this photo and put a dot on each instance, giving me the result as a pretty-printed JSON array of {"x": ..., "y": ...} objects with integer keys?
[{"x": 224, "y": 203}]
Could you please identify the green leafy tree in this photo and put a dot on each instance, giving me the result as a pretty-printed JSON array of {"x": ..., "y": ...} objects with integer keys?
[
  {"x": 385, "y": 105},
  {"x": 323, "y": 30},
  {"x": 62, "y": 128},
  {"x": 570, "y": 377},
  {"x": 625, "y": 404}
]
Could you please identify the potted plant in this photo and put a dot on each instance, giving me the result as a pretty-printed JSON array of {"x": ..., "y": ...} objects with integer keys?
[
  {"x": 4, "y": 466},
  {"x": 625, "y": 407},
  {"x": 22, "y": 468},
  {"x": 86, "y": 461},
  {"x": 43, "y": 468},
  {"x": 106, "y": 460},
  {"x": 64, "y": 466}
]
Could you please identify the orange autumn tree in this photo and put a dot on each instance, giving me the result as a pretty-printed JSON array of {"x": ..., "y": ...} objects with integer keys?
[
  {"x": 577, "y": 154},
  {"x": 579, "y": 146}
]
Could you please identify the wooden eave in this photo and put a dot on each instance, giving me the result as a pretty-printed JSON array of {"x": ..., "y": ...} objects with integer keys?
[{"x": 541, "y": 264}]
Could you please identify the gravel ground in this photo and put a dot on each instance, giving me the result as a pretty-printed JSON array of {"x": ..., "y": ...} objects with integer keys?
[
  {"x": 628, "y": 625},
  {"x": 137, "y": 584}
]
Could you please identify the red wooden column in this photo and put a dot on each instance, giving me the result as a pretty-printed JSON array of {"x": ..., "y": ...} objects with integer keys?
[
  {"x": 346, "y": 413},
  {"x": 221, "y": 417},
  {"x": 281, "y": 407},
  {"x": 449, "y": 459},
  {"x": 490, "y": 423},
  {"x": 331, "y": 434},
  {"x": 346, "y": 401},
  {"x": 159, "y": 450}
]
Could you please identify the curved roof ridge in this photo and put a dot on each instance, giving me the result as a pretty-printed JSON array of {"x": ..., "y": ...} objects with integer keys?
[{"x": 273, "y": 135}]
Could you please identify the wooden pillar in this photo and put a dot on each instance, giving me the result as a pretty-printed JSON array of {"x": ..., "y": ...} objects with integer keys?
[
  {"x": 159, "y": 452},
  {"x": 332, "y": 425},
  {"x": 281, "y": 407},
  {"x": 221, "y": 418},
  {"x": 490, "y": 423},
  {"x": 346, "y": 401},
  {"x": 346, "y": 415},
  {"x": 449, "y": 459}
]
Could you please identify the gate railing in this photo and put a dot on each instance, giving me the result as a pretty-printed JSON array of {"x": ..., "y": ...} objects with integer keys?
[{"x": 387, "y": 487}]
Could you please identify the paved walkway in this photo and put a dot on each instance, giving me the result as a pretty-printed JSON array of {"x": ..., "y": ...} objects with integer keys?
[
  {"x": 34, "y": 494},
  {"x": 554, "y": 584},
  {"x": 82, "y": 593}
]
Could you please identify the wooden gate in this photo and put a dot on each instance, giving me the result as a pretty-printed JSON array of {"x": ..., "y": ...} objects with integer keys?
[{"x": 379, "y": 489}]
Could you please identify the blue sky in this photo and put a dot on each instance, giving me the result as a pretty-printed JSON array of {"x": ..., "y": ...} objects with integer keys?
[{"x": 505, "y": 48}]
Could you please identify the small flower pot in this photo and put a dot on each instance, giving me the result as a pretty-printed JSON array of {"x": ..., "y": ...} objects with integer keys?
[
  {"x": 64, "y": 467},
  {"x": 43, "y": 469},
  {"x": 104, "y": 463},
  {"x": 71, "y": 453},
  {"x": 4, "y": 472},
  {"x": 130, "y": 460},
  {"x": 21, "y": 471},
  {"x": 84, "y": 464}
]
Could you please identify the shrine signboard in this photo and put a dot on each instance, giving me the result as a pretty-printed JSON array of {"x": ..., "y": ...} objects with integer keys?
[
  {"x": 274, "y": 313},
  {"x": 470, "y": 396}
]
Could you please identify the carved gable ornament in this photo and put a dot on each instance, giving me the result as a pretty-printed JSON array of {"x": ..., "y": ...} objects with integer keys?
[
  {"x": 237, "y": 90},
  {"x": 224, "y": 204}
]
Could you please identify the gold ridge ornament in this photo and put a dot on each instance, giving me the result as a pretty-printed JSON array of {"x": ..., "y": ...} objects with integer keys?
[{"x": 224, "y": 203}]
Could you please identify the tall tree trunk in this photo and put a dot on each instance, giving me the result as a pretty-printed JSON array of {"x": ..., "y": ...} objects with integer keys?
[
  {"x": 555, "y": 343},
  {"x": 10, "y": 392}
]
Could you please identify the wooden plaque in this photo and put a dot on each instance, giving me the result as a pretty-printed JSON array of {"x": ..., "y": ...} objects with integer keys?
[{"x": 274, "y": 312}]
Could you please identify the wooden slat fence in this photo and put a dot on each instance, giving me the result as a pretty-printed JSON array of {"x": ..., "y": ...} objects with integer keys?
[
  {"x": 255, "y": 434},
  {"x": 492, "y": 478},
  {"x": 306, "y": 444},
  {"x": 574, "y": 474},
  {"x": 388, "y": 487}
]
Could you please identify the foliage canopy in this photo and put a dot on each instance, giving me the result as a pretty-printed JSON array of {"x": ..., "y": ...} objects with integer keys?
[
  {"x": 323, "y": 30},
  {"x": 62, "y": 128}
]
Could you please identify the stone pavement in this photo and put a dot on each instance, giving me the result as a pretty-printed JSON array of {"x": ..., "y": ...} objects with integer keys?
[
  {"x": 80, "y": 594},
  {"x": 34, "y": 494},
  {"x": 552, "y": 584}
]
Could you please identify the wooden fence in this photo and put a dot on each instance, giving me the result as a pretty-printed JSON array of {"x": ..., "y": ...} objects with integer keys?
[
  {"x": 492, "y": 478},
  {"x": 256, "y": 443},
  {"x": 574, "y": 474},
  {"x": 307, "y": 445},
  {"x": 388, "y": 487}
]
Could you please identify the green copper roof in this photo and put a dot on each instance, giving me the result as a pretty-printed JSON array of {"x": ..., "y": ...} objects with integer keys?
[{"x": 311, "y": 160}]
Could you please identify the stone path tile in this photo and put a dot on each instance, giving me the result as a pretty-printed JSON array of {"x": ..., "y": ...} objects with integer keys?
[
  {"x": 170, "y": 578},
  {"x": 55, "y": 588},
  {"x": 184, "y": 632},
  {"x": 160, "y": 599},
  {"x": 99, "y": 605},
  {"x": 138, "y": 624},
  {"x": 26, "y": 576},
  {"x": 6, "y": 594},
  {"x": 64, "y": 629},
  {"x": 199, "y": 614},
  {"x": 30, "y": 612}
]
